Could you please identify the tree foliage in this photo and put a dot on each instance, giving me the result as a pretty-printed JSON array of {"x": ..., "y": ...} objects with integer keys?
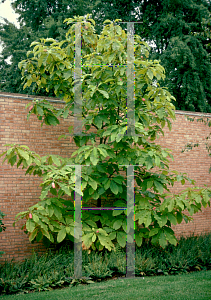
[
  {"x": 50, "y": 65},
  {"x": 38, "y": 19},
  {"x": 179, "y": 31}
]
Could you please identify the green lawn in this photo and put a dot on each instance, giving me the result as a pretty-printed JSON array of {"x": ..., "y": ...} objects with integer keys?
[{"x": 195, "y": 285}]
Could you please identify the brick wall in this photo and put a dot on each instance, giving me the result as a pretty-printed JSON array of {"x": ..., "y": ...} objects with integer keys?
[
  {"x": 18, "y": 192},
  {"x": 195, "y": 163}
]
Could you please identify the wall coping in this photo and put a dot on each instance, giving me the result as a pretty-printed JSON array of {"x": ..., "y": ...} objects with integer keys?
[{"x": 57, "y": 100}]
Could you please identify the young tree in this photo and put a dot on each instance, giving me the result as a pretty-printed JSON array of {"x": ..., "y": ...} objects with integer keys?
[{"x": 50, "y": 65}]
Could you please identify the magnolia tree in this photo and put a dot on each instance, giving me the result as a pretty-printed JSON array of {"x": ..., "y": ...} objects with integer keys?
[{"x": 107, "y": 151}]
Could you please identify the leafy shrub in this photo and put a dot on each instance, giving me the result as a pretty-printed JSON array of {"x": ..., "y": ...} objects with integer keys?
[
  {"x": 46, "y": 272},
  {"x": 145, "y": 265},
  {"x": 98, "y": 268}
]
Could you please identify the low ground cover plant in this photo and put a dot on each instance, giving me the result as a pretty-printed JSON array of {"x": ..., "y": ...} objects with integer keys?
[{"x": 54, "y": 270}]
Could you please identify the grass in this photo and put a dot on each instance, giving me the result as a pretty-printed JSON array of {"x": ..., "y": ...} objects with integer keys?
[{"x": 196, "y": 285}]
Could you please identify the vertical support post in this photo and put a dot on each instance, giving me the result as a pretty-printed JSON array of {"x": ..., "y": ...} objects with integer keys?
[
  {"x": 130, "y": 250},
  {"x": 130, "y": 80},
  {"x": 77, "y": 84},
  {"x": 77, "y": 225},
  {"x": 130, "y": 254}
]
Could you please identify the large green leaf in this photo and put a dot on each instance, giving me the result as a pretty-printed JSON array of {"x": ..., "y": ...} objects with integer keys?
[
  {"x": 57, "y": 212},
  {"x": 46, "y": 233},
  {"x": 39, "y": 236},
  {"x": 94, "y": 157},
  {"x": 163, "y": 220},
  {"x": 93, "y": 184},
  {"x": 102, "y": 231},
  {"x": 121, "y": 238},
  {"x": 150, "y": 74},
  {"x": 105, "y": 241},
  {"x": 139, "y": 239},
  {"x": 91, "y": 223},
  {"x": 35, "y": 218},
  {"x": 148, "y": 219},
  {"x": 117, "y": 224},
  {"x": 33, "y": 235},
  {"x": 103, "y": 152},
  {"x": 172, "y": 218},
  {"x": 94, "y": 237},
  {"x": 124, "y": 225},
  {"x": 162, "y": 240},
  {"x": 23, "y": 153},
  {"x": 52, "y": 120},
  {"x": 158, "y": 186},
  {"x": 98, "y": 121},
  {"x": 120, "y": 203},
  {"x": 55, "y": 224},
  {"x": 107, "y": 184},
  {"x": 153, "y": 231},
  {"x": 42, "y": 225},
  {"x": 171, "y": 205},
  {"x": 205, "y": 195},
  {"x": 67, "y": 74},
  {"x": 65, "y": 188},
  {"x": 159, "y": 220},
  {"x": 104, "y": 93},
  {"x": 114, "y": 187},
  {"x": 170, "y": 237},
  {"x": 61, "y": 235},
  {"x": 179, "y": 217},
  {"x": 12, "y": 160},
  {"x": 55, "y": 160},
  {"x": 30, "y": 225},
  {"x": 141, "y": 215},
  {"x": 40, "y": 110},
  {"x": 44, "y": 192},
  {"x": 87, "y": 239},
  {"x": 117, "y": 212},
  {"x": 112, "y": 235}
]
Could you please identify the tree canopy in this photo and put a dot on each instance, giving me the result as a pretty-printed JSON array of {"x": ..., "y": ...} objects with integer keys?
[
  {"x": 178, "y": 30},
  {"x": 104, "y": 156}
]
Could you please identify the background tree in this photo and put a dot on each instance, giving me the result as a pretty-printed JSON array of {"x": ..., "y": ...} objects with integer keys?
[
  {"x": 16, "y": 41},
  {"x": 178, "y": 30}
]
